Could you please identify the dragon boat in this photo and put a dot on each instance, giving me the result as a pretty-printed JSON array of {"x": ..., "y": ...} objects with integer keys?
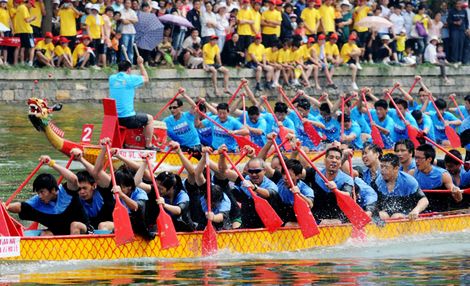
[
  {"x": 253, "y": 241},
  {"x": 130, "y": 140}
]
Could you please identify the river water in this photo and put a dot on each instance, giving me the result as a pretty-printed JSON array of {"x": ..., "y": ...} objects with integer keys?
[{"x": 437, "y": 259}]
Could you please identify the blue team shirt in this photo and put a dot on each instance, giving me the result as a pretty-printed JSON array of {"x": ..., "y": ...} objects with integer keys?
[
  {"x": 300, "y": 132},
  {"x": 137, "y": 195},
  {"x": 122, "y": 88},
  {"x": 465, "y": 125},
  {"x": 53, "y": 207},
  {"x": 183, "y": 130},
  {"x": 463, "y": 110},
  {"x": 399, "y": 128},
  {"x": 332, "y": 129},
  {"x": 265, "y": 184},
  {"x": 388, "y": 124},
  {"x": 427, "y": 123},
  {"x": 219, "y": 136},
  {"x": 92, "y": 209},
  {"x": 357, "y": 143},
  {"x": 271, "y": 125},
  {"x": 411, "y": 167},
  {"x": 361, "y": 119},
  {"x": 439, "y": 128},
  {"x": 430, "y": 181},
  {"x": 340, "y": 180},
  {"x": 405, "y": 185},
  {"x": 367, "y": 194},
  {"x": 259, "y": 140},
  {"x": 223, "y": 207},
  {"x": 287, "y": 196}
]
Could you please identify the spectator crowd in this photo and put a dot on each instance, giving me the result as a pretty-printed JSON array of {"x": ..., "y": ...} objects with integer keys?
[{"x": 287, "y": 42}]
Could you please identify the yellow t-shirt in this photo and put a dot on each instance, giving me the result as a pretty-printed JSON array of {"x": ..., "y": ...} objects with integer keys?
[
  {"x": 257, "y": 51},
  {"x": 60, "y": 50},
  {"x": 68, "y": 27},
  {"x": 331, "y": 49},
  {"x": 328, "y": 18},
  {"x": 247, "y": 15},
  {"x": 401, "y": 40},
  {"x": 284, "y": 56},
  {"x": 78, "y": 52},
  {"x": 36, "y": 11},
  {"x": 422, "y": 18},
  {"x": 95, "y": 28},
  {"x": 5, "y": 17},
  {"x": 303, "y": 50},
  {"x": 359, "y": 13},
  {"x": 257, "y": 24},
  {"x": 271, "y": 56},
  {"x": 273, "y": 15},
  {"x": 19, "y": 22},
  {"x": 310, "y": 16},
  {"x": 209, "y": 52},
  {"x": 346, "y": 51},
  {"x": 298, "y": 55},
  {"x": 316, "y": 47},
  {"x": 47, "y": 49}
]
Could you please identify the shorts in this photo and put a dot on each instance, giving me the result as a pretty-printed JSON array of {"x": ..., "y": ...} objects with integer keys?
[
  {"x": 26, "y": 40},
  {"x": 99, "y": 46},
  {"x": 216, "y": 66},
  {"x": 251, "y": 65},
  {"x": 133, "y": 122},
  {"x": 351, "y": 61}
]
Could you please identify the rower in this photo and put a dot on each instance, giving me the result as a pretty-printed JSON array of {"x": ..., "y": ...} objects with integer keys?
[
  {"x": 399, "y": 127},
  {"x": 399, "y": 194},
  {"x": 460, "y": 177},
  {"x": 280, "y": 111},
  {"x": 54, "y": 206},
  {"x": 256, "y": 125},
  {"x": 352, "y": 133},
  {"x": 464, "y": 109},
  {"x": 383, "y": 122},
  {"x": 303, "y": 106},
  {"x": 439, "y": 126},
  {"x": 431, "y": 177},
  {"x": 371, "y": 155},
  {"x": 332, "y": 126},
  {"x": 425, "y": 123},
  {"x": 405, "y": 150}
]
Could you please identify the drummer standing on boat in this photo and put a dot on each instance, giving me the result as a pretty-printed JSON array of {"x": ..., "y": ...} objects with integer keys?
[{"x": 122, "y": 88}]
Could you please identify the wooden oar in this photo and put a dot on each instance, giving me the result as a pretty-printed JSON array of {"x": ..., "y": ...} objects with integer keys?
[
  {"x": 166, "y": 229},
  {"x": 282, "y": 130},
  {"x": 159, "y": 113},
  {"x": 350, "y": 208},
  {"x": 161, "y": 160},
  {"x": 265, "y": 211},
  {"x": 413, "y": 133},
  {"x": 466, "y": 164},
  {"x": 457, "y": 106},
  {"x": 304, "y": 215},
  {"x": 209, "y": 236},
  {"x": 242, "y": 82},
  {"x": 123, "y": 232},
  {"x": 453, "y": 137},
  {"x": 18, "y": 190},
  {"x": 309, "y": 129},
  {"x": 375, "y": 132},
  {"x": 241, "y": 141}
]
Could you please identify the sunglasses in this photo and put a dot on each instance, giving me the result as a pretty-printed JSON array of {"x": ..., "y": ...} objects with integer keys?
[
  {"x": 173, "y": 107},
  {"x": 255, "y": 171}
]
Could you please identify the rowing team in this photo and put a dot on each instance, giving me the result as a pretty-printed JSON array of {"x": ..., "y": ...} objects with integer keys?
[{"x": 85, "y": 202}]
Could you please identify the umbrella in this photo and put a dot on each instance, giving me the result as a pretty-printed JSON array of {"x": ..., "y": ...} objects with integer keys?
[
  {"x": 149, "y": 31},
  {"x": 374, "y": 22},
  {"x": 4, "y": 28},
  {"x": 175, "y": 20}
]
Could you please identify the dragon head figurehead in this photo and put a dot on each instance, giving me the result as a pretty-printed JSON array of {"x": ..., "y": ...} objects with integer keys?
[{"x": 39, "y": 112}]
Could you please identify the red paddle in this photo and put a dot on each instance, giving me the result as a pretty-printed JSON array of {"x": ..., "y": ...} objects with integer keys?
[
  {"x": 457, "y": 107},
  {"x": 453, "y": 137},
  {"x": 304, "y": 215},
  {"x": 18, "y": 190},
  {"x": 123, "y": 232},
  {"x": 465, "y": 191},
  {"x": 413, "y": 86},
  {"x": 375, "y": 132},
  {"x": 180, "y": 91},
  {"x": 242, "y": 82},
  {"x": 318, "y": 156},
  {"x": 266, "y": 213},
  {"x": 243, "y": 154},
  {"x": 351, "y": 173},
  {"x": 182, "y": 167},
  {"x": 241, "y": 141},
  {"x": 309, "y": 129},
  {"x": 350, "y": 208},
  {"x": 209, "y": 236},
  {"x": 69, "y": 162},
  {"x": 412, "y": 131},
  {"x": 445, "y": 151},
  {"x": 166, "y": 229},
  {"x": 162, "y": 159},
  {"x": 282, "y": 130},
  {"x": 342, "y": 116}
]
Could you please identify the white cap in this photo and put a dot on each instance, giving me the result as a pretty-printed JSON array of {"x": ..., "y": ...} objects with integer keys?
[
  {"x": 56, "y": 2},
  {"x": 345, "y": 2},
  {"x": 220, "y": 5},
  {"x": 154, "y": 5},
  {"x": 385, "y": 37},
  {"x": 88, "y": 6},
  {"x": 96, "y": 7},
  {"x": 434, "y": 38}
]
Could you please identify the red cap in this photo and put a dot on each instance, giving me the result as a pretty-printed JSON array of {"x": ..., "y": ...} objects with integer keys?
[
  {"x": 334, "y": 36},
  {"x": 64, "y": 40},
  {"x": 311, "y": 40},
  {"x": 321, "y": 37},
  {"x": 48, "y": 35},
  {"x": 85, "y": 37},
  {"x": 258, "y": 1},
  {"x": 279, "y": 3},
  {"x": 464, "y": 5},
  {"x": 214, "y": 37},
  {"x": 352, "y": 37},
  {"x": 32, "y": 2},
  {"x": 246, "y": 1},
  {"x": 272, "y": 1},
  {"x": 318, "y": 3},
  {"x": 258, "y": 36}
]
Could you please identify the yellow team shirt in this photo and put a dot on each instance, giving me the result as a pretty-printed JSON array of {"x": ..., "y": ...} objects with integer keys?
[
  {"x": 359, "y": 13},
  {"x": 310, "y": 16},
  {"x": 78, "y": 52},
  {"x": 68, "y": 27},
  {"x": 401, "y": 40},
  {"x": 60, "y": 50},
  {"x": 11, "y": 8},
  {"x": 19, "y": 23},
  {"x": 247, "y": 15},
  {"x": 95, "y": 26},
  {"x": 331, "y": 49},
  {"x": 346, "y": 51},
  {"x": 5, "y": 17},
  {"x": 36, "y": 11},
  {"x": 209, "y": 52},
  {"x": 257, "y": 50},
  {"x": 284, "y": 56},
  {"x": 328, "y": 18},
  {"x": 298, "y": 55},
  {"x": 316, "y": 48},
  {"x": 257, "y": 24},
  {"x": 271, "y": 56},
  {"x": 47, "y": 49},
  {"x": 273, "y": 15},
  {"x": 421, "y": 18}
]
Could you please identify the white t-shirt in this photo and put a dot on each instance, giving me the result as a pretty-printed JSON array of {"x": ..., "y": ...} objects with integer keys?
[
  {"x": 128, "y": 14},
  {"x": 205, "y": 19},
  {"x": 398, "y": 23},
  {"x": 430, "y": 54}
]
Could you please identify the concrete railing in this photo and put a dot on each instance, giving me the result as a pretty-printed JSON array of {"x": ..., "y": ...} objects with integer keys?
[{"x": 92, "y": 85}]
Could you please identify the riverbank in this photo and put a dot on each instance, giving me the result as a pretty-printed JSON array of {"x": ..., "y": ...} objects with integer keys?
[{"x": 17, "y": 84}]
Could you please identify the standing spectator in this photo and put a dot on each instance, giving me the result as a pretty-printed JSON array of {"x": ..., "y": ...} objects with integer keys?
[
  {"x": 63, "y": 53},
  {"x": 299, "y": 7},
  {"x": 311, "y": 18},
  {"x": 360, "y": 12},
  {"x": 397, "y": 20},
  {"x": 128, "y": 19},
  {"x": 222, "y": 27},
  {"x": 445, "y": 36},
  {"x": 401, "y": 45},
  {"x": 23, "y": 30},
  {"x": 179, "y": 32},
  {"x": 385, "y": 13},
  {"x": 208, "y": 23},
  {"x": 108, "y": 31},
  {"x": 350, "y": 54},
  {"x": 327, "y": 12},
  {"x": 194, "y": 16},
  {"x": 286, "y": 25},
  {"x": 117, "y": 6},
  {"x": 233, "y": 54},
  {"x": 45, "y": 51},
  {"x": 246, "y": 21},
  {"x": 408, "y": 15},
  {"x": 38, "y": 10},
  {"x": 5, "y": 20},
  {"x": 257, "y": 16},
  {"x": 457, "y": 22},
  {"x": 466, "y": 52},
  {"x": 421, "y": 39},
  {"x": 213, "y": 63},
  {"x": 94, "y": 25},
  {"x": 271, "y": 24},
  {"x": 344, "y": 23},
  {"x": 68, "y": 15},
  {"x": 435, "y": 26}
]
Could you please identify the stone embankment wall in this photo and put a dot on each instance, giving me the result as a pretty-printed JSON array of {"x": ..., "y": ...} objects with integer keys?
[{"x": 92, "y": 85}]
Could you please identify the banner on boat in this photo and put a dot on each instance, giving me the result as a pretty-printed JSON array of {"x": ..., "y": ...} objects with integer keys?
[
  {"x": 9, "y": 246},
  {"x": 136, "y": 155}
]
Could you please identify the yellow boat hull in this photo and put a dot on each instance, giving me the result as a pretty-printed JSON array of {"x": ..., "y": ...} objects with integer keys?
[{"x": 239, "y": 241}]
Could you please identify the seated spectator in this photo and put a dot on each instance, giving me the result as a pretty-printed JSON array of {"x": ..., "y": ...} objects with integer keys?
[
  {"x": 165, "y": 53},
  {"x": 384, "y": 52},
  {"x": 188, "y": 47},
  {"x": 233, "y": 53},
  {"x": 82, "y": 53},
  {"x": 63, "y": 53},
  {"x": 350, "y": 53},
  {"x": 213, "y": 64},
  {"x": 435, "y": 55},
  {"x": 45, "y": 51},
  {"x": 256, "y": 59}
]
